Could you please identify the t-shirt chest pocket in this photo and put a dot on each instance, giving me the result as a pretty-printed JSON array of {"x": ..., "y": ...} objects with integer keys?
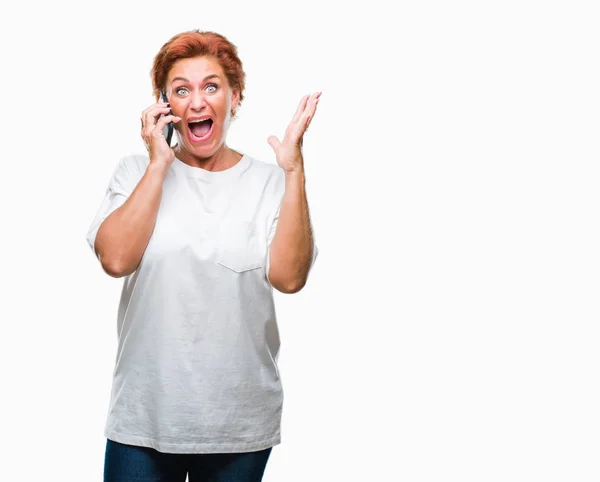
[{"x": 239, "y": 245}]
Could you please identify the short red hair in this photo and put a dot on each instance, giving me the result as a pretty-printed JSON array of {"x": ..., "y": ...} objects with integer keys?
[{"x": 195, "y": 43}]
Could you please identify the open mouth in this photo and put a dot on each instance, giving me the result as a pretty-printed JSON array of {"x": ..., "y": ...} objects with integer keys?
[{"x": 201, "y": 130}]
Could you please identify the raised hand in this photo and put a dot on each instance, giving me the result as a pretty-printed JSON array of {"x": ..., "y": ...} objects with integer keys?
[{"x": 289, "y": 151}]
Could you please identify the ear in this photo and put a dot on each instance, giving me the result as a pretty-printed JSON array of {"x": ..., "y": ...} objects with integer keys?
[{"x": 235, "y": 99}]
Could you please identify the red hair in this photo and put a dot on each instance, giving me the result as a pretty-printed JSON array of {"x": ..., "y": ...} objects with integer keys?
[{"x": 195, "y": 43}]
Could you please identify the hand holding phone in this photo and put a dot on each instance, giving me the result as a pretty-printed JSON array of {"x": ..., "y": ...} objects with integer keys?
[
  {"x": 157, "y": 129},
  {"x": 168, "y": 129}
]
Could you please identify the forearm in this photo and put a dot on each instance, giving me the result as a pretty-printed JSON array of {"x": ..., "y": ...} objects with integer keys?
[
  {"x": 125, "y": 234},
  {"x": 292, "y": 245}
]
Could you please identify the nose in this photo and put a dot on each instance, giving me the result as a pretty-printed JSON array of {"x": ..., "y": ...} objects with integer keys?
[{"x": 197, "y": 101}]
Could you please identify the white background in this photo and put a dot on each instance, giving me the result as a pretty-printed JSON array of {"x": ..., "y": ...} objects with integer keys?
[{"x": 449, "y": 330}]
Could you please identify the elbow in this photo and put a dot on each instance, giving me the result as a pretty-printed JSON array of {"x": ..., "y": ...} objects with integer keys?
[
  {"x": 112, "y": 270},
  {"x": 288, "y": 287},
  {"x": 294, "y": 287},
  {"x": 122, "y": 271},
  {"x": 288, "y": 290},
  {"x": 288, "y": 281},
  {"x": 115, "y": 269},
  {"x": 109, "y": 266}
]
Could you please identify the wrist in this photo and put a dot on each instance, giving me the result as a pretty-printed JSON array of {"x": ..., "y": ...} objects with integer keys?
[
  {"x": 296, "y": 175},
  {"x": 156, "y": 169}
]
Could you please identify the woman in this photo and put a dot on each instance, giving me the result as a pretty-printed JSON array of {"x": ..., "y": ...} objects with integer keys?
[{"x": 201, "y": 233}]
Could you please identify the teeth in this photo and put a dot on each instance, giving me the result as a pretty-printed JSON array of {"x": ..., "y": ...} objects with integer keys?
[{"x": 199, "y": 120}]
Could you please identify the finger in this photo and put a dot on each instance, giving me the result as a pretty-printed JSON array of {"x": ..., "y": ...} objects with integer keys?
[
  {"x": 300, "y": 108},
  {"x": 165, "y": 120},
  {"x": 152, "y": 107},
  {"x": 152, "y": 115},
  {"x": 309, "y": 109},
  {"x": 309, "y": 113},
  {"x": 149, "y": 119}
]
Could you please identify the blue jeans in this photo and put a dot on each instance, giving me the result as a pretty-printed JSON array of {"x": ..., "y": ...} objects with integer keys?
[{"x": 130, "y": 463}]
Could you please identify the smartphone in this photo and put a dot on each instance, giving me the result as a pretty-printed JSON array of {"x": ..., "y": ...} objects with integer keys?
[{"x": 168, "y": 129}]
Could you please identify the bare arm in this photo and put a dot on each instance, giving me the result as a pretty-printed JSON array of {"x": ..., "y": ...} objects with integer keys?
[
  {"x": 124, "y": 235},
  {"x": 292, "y": 246}
]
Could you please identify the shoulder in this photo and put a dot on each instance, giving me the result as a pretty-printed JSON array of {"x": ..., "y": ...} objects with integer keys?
[
  {"x": 272, "y": 175},
  {"x": 135, "y": 163},
  {"x": 267, "y": 168},
  {"x": 129, "y": 171}
]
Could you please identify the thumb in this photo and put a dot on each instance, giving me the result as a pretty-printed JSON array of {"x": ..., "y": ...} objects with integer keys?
[{"x": 273, "y": 142}]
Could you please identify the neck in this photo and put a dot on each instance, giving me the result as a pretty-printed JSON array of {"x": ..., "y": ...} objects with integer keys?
[{"x": 222, "y": 159}]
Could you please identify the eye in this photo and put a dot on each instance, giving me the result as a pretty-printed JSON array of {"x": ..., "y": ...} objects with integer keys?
[
  {"x": 178, "y": 89},
  {"x": 213, "y": 85}
]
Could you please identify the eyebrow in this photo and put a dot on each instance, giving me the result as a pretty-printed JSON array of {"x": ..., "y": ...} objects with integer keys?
[{"x": 203, "y": 80}]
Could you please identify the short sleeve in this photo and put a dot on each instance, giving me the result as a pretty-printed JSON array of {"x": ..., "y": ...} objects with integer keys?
[
  {"x": 121, "y": 185},
  {"x": 270, "y": 237}
]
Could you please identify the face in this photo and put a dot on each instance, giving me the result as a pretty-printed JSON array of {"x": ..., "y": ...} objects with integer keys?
[{"x": 197, "y": 88}]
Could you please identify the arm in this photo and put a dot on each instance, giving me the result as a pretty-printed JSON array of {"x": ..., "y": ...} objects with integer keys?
[
  {"x": 123, "y": 236},
  {"x": 292, "y": 246}
]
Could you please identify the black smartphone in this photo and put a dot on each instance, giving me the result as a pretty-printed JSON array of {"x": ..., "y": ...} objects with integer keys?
[{"x": 168, "y": 129}]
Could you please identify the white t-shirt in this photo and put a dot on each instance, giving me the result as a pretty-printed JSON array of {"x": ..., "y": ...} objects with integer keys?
[{"x": 196, "y": 366}]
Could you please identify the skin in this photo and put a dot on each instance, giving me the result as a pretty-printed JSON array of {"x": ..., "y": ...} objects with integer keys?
[
  {"x": 198, "y": 97},
  {"x": 292, "y": 246}
]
